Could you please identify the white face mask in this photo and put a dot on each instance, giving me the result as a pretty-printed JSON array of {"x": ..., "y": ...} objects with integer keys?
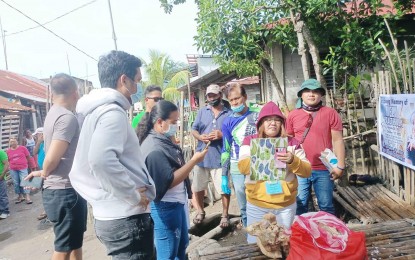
[
  {"x": 171, "y": 131},
  {"x": 137, "y": 96}
]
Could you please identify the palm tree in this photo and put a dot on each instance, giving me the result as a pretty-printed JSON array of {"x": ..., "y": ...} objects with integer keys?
[{"x": 166, "y": 73}]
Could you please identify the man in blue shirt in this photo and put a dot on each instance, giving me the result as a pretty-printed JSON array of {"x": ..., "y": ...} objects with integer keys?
[{"x": 207, "y": 128}]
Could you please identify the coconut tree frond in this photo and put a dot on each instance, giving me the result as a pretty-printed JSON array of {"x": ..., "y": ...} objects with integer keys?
[
  {"x": 179, "y": 79},
  {"x": 171, "y": 94},
  {"x": 166, "y": 73}
]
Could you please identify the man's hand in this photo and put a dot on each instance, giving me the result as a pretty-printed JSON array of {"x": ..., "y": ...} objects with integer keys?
[
  {"x": 336, "y": 174},
  {"x": 215, "y": 135},
  {"x": 35, "y": 174},
  {"x": 204, "y": 138},
  {"x": 225, "y": 185},
  {"x": 144, "y": 200}
]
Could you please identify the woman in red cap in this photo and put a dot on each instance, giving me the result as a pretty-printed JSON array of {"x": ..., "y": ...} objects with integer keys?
[{"x": 282, "y": 200}]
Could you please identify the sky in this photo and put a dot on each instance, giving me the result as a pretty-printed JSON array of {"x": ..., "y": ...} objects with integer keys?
[{"x": 139, "y": 25}]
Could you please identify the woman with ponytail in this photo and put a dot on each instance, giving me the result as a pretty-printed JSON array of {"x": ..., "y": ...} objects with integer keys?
[{"x": 166, "y": 165}]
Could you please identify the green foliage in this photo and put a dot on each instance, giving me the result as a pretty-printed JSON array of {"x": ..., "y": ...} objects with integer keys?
[
  {"x": 168, "y": 4},
  {"x": 166, "y": 73},
  {"x": 237, "y": 32}
]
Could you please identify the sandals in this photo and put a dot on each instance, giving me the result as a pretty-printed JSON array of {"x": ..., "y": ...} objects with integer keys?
[
  {"x": 224, "y": 222},
  {"x": 19, "y": 200},
  {"x": 42, "y": 216},
  {"x": 200, "y": 216},
  {"x": 29, "y": 202}
]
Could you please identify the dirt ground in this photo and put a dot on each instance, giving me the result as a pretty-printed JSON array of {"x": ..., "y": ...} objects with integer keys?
[{"x": 20, "y": 238}]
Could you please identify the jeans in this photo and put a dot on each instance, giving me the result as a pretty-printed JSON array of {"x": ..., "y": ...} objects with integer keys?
[
  {"x": 18, "y": 176},
  {"x": 170, "y": 230},
  {"x": 4, "y": 200},
  {"x": 323, "y": 188},
  {"x": 239, "y": 186},
  {"x": 285, "y": 216},
  {"x": 127, "y": 238}
]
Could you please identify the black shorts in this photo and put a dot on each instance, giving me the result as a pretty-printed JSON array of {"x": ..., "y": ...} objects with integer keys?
[{"x": 67, "y": 210}]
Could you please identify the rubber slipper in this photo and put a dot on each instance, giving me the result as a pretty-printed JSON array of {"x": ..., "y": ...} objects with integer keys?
[
  {"x": 224, "y": 222},
  {"x": 29, "y": 202},
  {"x": 19, "y": 201},
  {"x": 42, "y": 216},
  {"x": 199, "y": 218}
]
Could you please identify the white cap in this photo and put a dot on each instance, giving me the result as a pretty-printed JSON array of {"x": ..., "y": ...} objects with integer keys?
[{"x": 38, "y": 131}]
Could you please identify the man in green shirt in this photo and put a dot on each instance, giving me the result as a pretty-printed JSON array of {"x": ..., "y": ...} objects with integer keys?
[
  {"x": 4, "y": 200},
  {"x": 152, "y": 96}
]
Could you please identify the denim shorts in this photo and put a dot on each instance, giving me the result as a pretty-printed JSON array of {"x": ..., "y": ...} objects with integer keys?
[
  {"x": 127, "y": 238},
  {"x": 67, "y": 210}
]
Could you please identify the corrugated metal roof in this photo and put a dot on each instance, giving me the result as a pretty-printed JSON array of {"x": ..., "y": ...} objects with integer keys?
[
  {"x": 8, "y": 106},
  {"x": 22, "y": 86}
]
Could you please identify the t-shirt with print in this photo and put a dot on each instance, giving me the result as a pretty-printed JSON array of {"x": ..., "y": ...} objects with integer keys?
[
  {"x": 3, "y": 158},
  {"x": 61, "y": 124},
  {"x": 234, "y": 130},
  {"x": 319, "y": 137},
  {"x": 30, "y": 145},
  {"x": 18, "y": 158}
]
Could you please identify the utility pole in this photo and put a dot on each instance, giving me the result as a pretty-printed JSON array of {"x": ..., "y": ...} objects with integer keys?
[
  {"x": 3, "y": 36},
  {"x": 69, "y": 65},
  {"x": 114, "y": 37}
]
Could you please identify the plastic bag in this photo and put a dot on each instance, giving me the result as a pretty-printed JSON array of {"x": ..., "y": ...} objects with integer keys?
[{"x": 320, "y": 235}]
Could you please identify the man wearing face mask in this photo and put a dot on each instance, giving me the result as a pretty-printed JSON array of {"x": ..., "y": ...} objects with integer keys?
[
  {"x": 109, "y": 169},
  {"x": 238, "y": 125},
  {"x": 208, "y": 128}
]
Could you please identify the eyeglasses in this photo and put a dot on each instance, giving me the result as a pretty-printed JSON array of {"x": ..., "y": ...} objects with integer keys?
[
  {"x": 272, "y": 119},
  {"x": 156, "y": 99},
  {"x": 309, "y": 121}
]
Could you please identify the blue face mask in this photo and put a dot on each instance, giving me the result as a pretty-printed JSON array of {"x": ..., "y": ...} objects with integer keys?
[
  {"x": 137, "y": 96},
  {"x": 238, "y": 109},
  {"x": 171, "y": 131}
]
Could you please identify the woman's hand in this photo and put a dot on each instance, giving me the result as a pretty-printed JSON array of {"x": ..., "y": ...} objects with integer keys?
[
  {"x": 199, "y": 156},
  {"x": 285, "y": 157}
]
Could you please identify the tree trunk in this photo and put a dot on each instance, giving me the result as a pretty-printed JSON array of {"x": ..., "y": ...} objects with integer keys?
[
  {"x": 281, "y": 98},
  {"x": 315, "y": 55},
  {"x": 302, "y": 50}
]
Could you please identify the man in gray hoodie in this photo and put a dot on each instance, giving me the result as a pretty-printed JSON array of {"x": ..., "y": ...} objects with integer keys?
[{"x": 108, "y": 169}]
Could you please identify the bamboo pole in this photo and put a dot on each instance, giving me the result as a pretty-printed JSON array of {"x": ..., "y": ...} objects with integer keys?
[
  {"x": 394, "y": 205},
  {"x": 362, "y": 156},
  {"x": 370, "y": 204},
  {"x": 396, "y": 198},
  {"x": 359, "y": 205},
  {"x": 349, "y": 120},
  {"x": 395, "y": 47},
  {"x": 381, "y": 205},
  {"x": 392, "y": 65},
  {"x": 364, "y": 219},
  {"x": 413, "y": 74},
  {"x": 378, "y": 227}
]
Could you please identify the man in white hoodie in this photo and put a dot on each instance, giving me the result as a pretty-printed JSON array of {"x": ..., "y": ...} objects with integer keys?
[{"x": 108, "y": 169}]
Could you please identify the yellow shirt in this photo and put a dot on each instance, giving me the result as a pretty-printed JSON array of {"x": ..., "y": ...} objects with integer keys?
[{"x": 255, "y": 190}]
